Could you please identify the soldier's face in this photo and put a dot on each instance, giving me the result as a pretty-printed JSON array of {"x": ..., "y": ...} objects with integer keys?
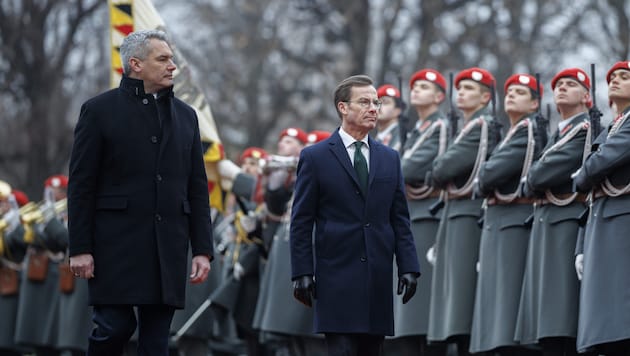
[
  {"x": 519, "y": 101},
  {"x": 289, "y": 146},
  {"x": 250, "y": 166},
  {"x": 619, "y": 85},
  {"x": 470, "y": 96},
  {"x": 388, "y": 110},
  {"x": 425, "y": 93},
  {"x": 156, "y": 71},
  {"x": 570, "y": 92}
]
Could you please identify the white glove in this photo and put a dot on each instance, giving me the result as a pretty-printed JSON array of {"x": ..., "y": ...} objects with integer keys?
[
  {"x": 48, "y": 212},
  {"x": 228, "y": 169},
  {"x": 238, "y": 271},
  {"x": 277, "y": 178},
  {"x": 579, "y": 265},
  {"x": 477, "y": 266},
  {"x": 431, "y": 256},
  {"x": 248, "y": 222},
  {"x": 12, "y": 217}
]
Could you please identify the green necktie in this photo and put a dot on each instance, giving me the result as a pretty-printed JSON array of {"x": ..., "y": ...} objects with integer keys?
[{"x": 360, "y": 165}]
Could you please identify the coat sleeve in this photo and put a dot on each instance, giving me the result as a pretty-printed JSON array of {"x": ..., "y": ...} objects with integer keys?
[
  {"x": 416, "y": 166},
  {"x": 609, "y": 157},
  {"x": 459, "y": 159},
  {"x": 505, "y": 163},
  {"x": 555, "y": 168},
  {"x": 201, "y": 224},
  {"x": 303, "y": 217},
  {"x": 84, "y": 172}
]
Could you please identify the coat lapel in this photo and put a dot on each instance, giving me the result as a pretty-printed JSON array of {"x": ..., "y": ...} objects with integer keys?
[
  {"x": 374, "y": 149},
  {"x": 341, "y": 153}
]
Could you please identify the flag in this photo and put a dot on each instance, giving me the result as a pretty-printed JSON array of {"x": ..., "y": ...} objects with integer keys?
[{"x": 127, "y": 16}]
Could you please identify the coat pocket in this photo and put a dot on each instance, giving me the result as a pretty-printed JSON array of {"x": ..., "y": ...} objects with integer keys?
[
  {"x": 186, "y": 207},
  {"x": 512, "y": 220},
  {"x": 616, "y": 206},
  {"x": 111, "y": 203},
  {"x": 571, "y": 212}
]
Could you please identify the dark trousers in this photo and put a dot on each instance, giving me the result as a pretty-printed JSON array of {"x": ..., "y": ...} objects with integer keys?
[
  {"x": 558, "y": 346},
  {"x": 116, "y": 323},
  {"x": 617, "y": 348},
  {"x": 354, "y": 344}
]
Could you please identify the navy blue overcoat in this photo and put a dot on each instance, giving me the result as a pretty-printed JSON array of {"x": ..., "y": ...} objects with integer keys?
[{"x": 356, "y": 238}]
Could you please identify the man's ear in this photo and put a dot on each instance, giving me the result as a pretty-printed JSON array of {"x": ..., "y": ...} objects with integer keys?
[
  {"x": 135, "y": 65},
  {"x": 439, "y": 97},
  {"x": 485, "y": 97},
  {"x": 341, "y": 106}
]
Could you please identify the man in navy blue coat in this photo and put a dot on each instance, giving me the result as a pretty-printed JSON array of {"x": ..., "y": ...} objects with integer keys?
[
  {"x": 137, "y": 198},
  {"x": 359, "y": 225}
]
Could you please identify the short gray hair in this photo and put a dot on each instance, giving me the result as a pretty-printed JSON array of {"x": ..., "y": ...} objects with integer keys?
[{"x": 136, "y": 44}]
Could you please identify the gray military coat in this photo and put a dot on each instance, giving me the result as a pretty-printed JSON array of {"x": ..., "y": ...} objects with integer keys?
[
  {"x": 504, "y": 239},
  {"x": 426, "y": 142},
  {"x": 457, "y": 241},
  {"x": 548, "y": 305},
  {"x": 605, "y": 307}
]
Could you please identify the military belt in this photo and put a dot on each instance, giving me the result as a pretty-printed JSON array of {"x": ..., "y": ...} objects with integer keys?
[
  {"x": 459, "y": 197},
  {"x": 519, "y": 200},
  {"x": 580, "y": 198}
]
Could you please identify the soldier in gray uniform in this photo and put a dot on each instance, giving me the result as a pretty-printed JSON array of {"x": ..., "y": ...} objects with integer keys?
[
  {"x": 604, "y": 319},
  {"x": 425, "y": 142},
  {"x": 549, "y": 297},
  {"x": 12, "y": 251},
  {"x": 286, "y": 326},
  {"x": 38, "y": 311},
  {"x": 387, "y": 125},
  {"x": 505, "y": 236},
  {"x": 74, "y": 318},
  {"x": 457, "y": 241}
]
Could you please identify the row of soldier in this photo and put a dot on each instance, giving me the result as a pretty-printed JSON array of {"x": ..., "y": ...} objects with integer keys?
[
  {"x": 43, "y": 308},
  {"x": 497, "y": 219}
]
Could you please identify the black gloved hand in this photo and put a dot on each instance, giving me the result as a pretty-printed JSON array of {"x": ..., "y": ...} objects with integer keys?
[
  {"x": 304, "y": 290},
  {"x": 408, "y": 282}
]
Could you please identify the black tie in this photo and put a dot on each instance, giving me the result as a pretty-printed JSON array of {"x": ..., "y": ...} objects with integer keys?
[{"x": 360, "y": 165}]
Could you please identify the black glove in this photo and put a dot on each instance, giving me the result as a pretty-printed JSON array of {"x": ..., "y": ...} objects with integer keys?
[
  {"x": 407, "y": 282},
  {"x": 304, "y": 290}
]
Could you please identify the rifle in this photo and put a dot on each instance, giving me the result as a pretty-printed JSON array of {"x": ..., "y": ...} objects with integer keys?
[
  {"x": 594, "y": 112},
  {"x": 596, "y": 127},
  {"x": 541, "y": 122},
  {"x": 453, "y": 119},
  {"x": 403, "y": 120},
  {"x": 495, "y": 124}
]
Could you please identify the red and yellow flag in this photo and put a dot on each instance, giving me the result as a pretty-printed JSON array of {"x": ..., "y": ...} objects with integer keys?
[{"x": 127, "y": 16}]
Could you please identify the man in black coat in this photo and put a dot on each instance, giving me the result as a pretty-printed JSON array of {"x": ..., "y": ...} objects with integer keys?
[{"x": 137, "y": 198}]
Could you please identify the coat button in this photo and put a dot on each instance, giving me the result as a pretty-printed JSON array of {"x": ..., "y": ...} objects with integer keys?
[
  {"x": 363, "y": 259},
  {"x": 158, "y": 177},
  {"x": 158, "y": 217},
  {"x": 154, "y": 139},
  {"x": 145, "y": 101},
  {"x": 367, "y": 225}
]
